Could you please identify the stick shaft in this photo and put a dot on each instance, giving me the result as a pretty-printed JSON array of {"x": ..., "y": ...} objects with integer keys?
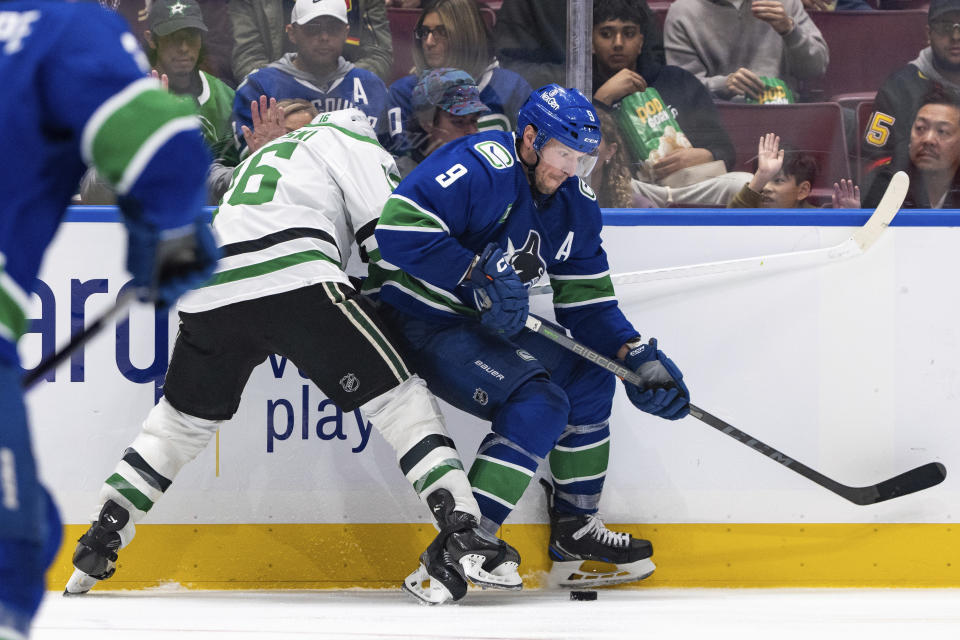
[
  {"x": 906, "y": 483},
  {"x": 76, "y": 341},
  {"x": 858, "y": 243}
]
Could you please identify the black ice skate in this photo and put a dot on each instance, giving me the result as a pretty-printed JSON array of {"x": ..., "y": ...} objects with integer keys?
[
  {"x": 579, "y": 542},
  {"x": 96, "y": 555},
  {"x": 460, "y": 553}
]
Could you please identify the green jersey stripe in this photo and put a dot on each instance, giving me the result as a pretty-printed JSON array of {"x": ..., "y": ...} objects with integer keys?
[
  {"x": 515, "y": 467},
  {"x": 150, "y": 146},
  {"x": 13, "y": 320},
  {"x": 435, "y": 474},
  {"x": 432, "y": 297},
  {"x": 403, "y": 214},
  {"x": 585, "y": 290},
  {"x": 130, "y": 492},
  {"x": 269, "y": 266},
  {"x": 498, "y": 480},
  {"x": 580, "y": 463},
  {"x": 105, "y": 110},
  {"x": 346, "y": 132},
  {"x": 128, "y": 138},
  {"x": 13, "y": 303}
]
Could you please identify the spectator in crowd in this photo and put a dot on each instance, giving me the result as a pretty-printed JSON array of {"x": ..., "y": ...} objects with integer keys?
[
  {"x": 446, "y": 105},
  {"x": 217, "y": 39},
  {"x": 271, "y": 119},
  {"x": 531, "y": 39},
  {"x": 732, "y": 47},
  {"x": 175, "y": 37},
  {"x": 618, "y": 27},
  {"x": 900, "y": 96},
  {"x": 452, "y": 34},
  {"x": 258, "y": 28},
  {"x": 611, "y": 177},
  {"x": 784, "y": 180},
  {"x": 316, "y": 71},
  {"x": 931, "y": 158}
]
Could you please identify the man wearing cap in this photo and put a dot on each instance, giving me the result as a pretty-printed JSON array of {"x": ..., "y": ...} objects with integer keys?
[
  {"x": 175, "y": 38},
  {"x": 316, "y": 71},
  {"x": 259, "y": 38},
  {"x": 897, "y": 101},
  {"x": 446, "y": 105}
]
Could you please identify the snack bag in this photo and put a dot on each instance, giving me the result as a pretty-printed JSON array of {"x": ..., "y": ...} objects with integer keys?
[
  {"x": 648, "y": 126},
  {"x": 775, "y": 91}
]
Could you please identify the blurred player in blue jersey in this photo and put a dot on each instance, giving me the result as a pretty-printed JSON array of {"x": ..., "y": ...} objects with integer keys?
[
  {"x": 460, "y": 242},
  {"x": 78, "y": 94}
]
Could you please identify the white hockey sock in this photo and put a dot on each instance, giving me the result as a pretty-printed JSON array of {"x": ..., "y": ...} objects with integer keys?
[
  {"x": 409, "y": 419},
  {"x": 168, "y": 440}
]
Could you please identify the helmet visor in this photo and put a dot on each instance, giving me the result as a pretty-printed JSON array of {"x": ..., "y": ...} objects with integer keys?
[{"x": 571, "y": 162}]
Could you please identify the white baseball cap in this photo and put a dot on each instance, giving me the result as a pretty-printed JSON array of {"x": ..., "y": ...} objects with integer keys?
[{"x": 306, "y": 10}]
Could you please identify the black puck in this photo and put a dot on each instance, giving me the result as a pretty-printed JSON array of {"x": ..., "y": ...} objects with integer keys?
[{"x": 583, "y": 595}]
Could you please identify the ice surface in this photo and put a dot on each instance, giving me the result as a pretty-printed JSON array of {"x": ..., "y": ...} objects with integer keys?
[{"x": 654, "y": 614}]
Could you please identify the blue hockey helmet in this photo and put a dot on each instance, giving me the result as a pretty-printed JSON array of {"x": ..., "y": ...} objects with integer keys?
[{"x": 563, "y": 114}]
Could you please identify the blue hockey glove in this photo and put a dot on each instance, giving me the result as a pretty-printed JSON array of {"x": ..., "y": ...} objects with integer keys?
[
  {"x": 663, "y": 393},
  {"x": 498, "y": 293},
  {"x": 166, "y": 263}
]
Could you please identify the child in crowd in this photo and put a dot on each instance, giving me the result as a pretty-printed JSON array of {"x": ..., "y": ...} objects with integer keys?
[{"x": 784, "y": 180}]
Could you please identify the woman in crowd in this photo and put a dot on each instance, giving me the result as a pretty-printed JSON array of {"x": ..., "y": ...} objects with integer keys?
[{"x": 452, "y": 33}]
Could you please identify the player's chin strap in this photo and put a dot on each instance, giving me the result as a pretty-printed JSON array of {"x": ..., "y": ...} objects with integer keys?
[{"x": 538, "y": 198}]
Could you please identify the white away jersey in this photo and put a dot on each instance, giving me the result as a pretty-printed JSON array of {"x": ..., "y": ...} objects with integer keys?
[{"x": 294, "y": 209}]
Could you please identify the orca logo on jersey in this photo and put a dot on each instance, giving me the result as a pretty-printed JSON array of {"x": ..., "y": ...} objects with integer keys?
[{"x": 526, "y": 260}]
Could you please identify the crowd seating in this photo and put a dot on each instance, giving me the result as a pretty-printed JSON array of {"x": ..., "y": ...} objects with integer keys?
[
  {"x": 896, "y": 37},
  {"x": 814, "y": 127}
]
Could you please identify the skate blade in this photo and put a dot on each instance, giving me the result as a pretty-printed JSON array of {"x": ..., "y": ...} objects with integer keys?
[
  {"x": 587, "y": 574},
  {"x": 416, "y": 584},
  {"x": 79, "y": 583},
  {"x": 505, "y": 576}
]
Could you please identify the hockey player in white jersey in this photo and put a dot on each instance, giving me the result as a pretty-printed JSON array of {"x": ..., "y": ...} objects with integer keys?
[{"x": 286, "y": 227}]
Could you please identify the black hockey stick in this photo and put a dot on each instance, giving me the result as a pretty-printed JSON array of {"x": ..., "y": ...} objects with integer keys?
[
  {"x": 923, "y": 477},
  {"x": 79, "y": 339}
]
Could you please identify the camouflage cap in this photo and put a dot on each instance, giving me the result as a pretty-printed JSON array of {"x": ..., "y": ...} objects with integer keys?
[
  {"x": 452, "y": 90},
  {"x": 167, "y": 16}
]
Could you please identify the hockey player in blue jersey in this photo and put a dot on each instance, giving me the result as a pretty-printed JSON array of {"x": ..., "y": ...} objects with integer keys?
[
  {"x": 316, "y": 72},
  {"x": 460, "y": 242},
  {"x": 81, "y": 95}
]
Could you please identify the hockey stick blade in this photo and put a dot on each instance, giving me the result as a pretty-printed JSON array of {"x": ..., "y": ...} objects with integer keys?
[
  {"x": 857, "y": 244},
  {"x": 922, "y": 477}
]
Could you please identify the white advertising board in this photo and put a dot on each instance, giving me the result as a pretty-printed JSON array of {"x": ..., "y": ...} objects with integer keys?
[{"x": 852, "y": 368}]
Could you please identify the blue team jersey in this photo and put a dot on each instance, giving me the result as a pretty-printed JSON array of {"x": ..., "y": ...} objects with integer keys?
[
  {"x": 74, "y": 78},
  {"x": 474, "y": 191},
  {"x": 502, "y": 90},
  {"x": 357, "y": 88}
]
